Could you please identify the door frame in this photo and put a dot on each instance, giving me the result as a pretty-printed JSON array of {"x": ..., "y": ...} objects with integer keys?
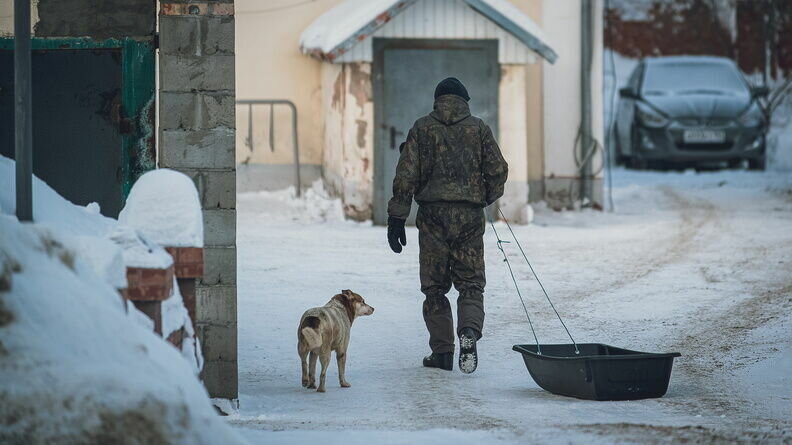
[
  {"x": 138, "y": 100},
  {"x": 379, "y": 46}
]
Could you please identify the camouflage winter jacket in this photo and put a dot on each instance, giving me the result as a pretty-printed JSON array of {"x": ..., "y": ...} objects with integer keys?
[{"x": 449, "y": 156}]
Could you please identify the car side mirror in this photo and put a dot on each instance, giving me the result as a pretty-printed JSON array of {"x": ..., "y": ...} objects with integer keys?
[
  {"x": 628, "y": 93},
  {"x": 761, "y": 91}
]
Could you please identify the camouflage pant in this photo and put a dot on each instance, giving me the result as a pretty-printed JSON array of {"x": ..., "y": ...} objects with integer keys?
[{"x": 451, "y": 244}]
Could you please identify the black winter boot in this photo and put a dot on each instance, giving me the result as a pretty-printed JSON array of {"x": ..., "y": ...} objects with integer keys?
[
  {"x": 443, "y": 360},
  {"x": 468, "y": 357}
]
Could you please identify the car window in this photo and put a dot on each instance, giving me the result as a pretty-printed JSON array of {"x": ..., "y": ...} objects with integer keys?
[{"x": 693, "y": 78}]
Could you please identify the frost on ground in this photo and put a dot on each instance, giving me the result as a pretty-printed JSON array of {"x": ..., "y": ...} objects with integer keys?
[{"x": 695, "y": 263}]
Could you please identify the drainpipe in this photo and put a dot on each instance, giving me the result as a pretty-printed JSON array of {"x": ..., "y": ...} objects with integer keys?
[
  {"x": 23, "y": 111},
  {"x": 586, "y": 192}
]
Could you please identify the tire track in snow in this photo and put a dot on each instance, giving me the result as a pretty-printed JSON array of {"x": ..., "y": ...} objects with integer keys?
[
  {"x": 714, "y": 346},
  {"x": 695, "y": 216}
]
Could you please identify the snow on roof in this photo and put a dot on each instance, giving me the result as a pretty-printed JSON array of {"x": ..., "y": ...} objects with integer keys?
[
  {"x": 513, "y": 20},
  {"x": 163, "y": 205},
  {"x": 339, "y": 29}
]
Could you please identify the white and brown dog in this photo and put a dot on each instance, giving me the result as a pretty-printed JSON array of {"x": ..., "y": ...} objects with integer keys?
[{"x": 326, "y": 329}]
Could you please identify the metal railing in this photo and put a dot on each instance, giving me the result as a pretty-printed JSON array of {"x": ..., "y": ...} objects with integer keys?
[{"x": 272, "y": 102}]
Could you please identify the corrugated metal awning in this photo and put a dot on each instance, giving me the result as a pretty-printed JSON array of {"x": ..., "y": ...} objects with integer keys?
[{"x": 341, "y": 28}]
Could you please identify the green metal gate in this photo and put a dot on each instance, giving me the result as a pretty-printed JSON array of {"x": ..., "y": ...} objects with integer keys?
[{"x": 110, "y": 98}]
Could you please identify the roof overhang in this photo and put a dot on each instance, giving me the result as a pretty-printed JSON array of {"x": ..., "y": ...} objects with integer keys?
[{"x": 338, "y": 30}]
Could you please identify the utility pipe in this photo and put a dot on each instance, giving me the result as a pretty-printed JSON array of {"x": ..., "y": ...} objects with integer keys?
[{"x": 586, "y": 37}]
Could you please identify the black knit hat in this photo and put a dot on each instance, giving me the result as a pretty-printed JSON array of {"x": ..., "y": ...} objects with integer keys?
[{"x": 451, "y": 85}]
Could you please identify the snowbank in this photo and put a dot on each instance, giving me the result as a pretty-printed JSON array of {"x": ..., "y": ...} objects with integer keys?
[
  {"x": 314, "y": 206},
  {"x": 76, "y": 363},
  {"x": 163, "y": 205},
  {"x": 75, "y": 367}
]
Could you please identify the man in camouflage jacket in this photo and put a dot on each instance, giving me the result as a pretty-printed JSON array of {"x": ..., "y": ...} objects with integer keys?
[{"x": 453, "y": 168}]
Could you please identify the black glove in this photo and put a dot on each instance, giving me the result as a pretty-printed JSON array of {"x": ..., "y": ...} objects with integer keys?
[{"x": 396, "y": 236}]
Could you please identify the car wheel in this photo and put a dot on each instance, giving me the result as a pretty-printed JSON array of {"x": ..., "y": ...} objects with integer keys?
[
  {"x": 634, "y": 161},
  {"x": 637, "y": 163},
  {"x": 759, "y": 163}
]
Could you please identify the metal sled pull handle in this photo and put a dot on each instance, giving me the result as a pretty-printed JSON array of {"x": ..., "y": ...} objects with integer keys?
[
  {"x": 505, "y": 258},
  {"x": 516, "y": 286}
]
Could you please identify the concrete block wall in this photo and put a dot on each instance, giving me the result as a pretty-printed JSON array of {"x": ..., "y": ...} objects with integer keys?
[{"x": 197, "y": 137}]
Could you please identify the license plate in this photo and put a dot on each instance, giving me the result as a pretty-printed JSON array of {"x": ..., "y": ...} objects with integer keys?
[{"x": 704, "y": 136}]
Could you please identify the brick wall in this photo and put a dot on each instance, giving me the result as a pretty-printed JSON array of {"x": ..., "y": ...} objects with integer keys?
[{"x": 197, "y": 138}]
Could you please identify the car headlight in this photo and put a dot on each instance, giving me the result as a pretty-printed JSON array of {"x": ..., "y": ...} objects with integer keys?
[
  {"x": 751, "y": 118},
  {"x": 650, "y": 118}
]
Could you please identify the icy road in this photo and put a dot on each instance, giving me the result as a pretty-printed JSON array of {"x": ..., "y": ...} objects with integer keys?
[{"x": 695, "y": 263}]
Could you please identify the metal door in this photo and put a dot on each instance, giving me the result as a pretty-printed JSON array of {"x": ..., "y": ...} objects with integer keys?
[
  {"x": 405, "y": 75},
  {"x": 93, "y": 115}
]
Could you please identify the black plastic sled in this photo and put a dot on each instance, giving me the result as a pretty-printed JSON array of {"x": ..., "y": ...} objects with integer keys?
[{"x": 599, "y": 372}]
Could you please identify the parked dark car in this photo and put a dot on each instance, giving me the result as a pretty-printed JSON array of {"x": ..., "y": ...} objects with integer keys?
[{"x": 689, "y": 111}]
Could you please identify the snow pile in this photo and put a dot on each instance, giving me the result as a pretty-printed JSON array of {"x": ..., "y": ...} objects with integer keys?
[
  {"x": 104, "y": 256},
  {"x": 163, "y": 209},
  {"x": 66, "y": 333},
  {"x": 75, "y": 367},
  {"x": 163, "y": 205},
  {"x": 314, "y": 206},
  {"x": 51, "y": 208}
]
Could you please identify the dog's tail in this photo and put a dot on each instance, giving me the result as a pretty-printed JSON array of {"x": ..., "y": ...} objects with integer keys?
[{"x": 310, "y": 332}]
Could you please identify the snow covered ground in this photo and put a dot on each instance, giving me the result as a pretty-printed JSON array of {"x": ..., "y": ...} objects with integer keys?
[{"x": 695, "y": 263}]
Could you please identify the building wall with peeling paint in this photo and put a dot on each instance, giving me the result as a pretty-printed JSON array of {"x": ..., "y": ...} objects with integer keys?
[{"x": 348, "y": 109}]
